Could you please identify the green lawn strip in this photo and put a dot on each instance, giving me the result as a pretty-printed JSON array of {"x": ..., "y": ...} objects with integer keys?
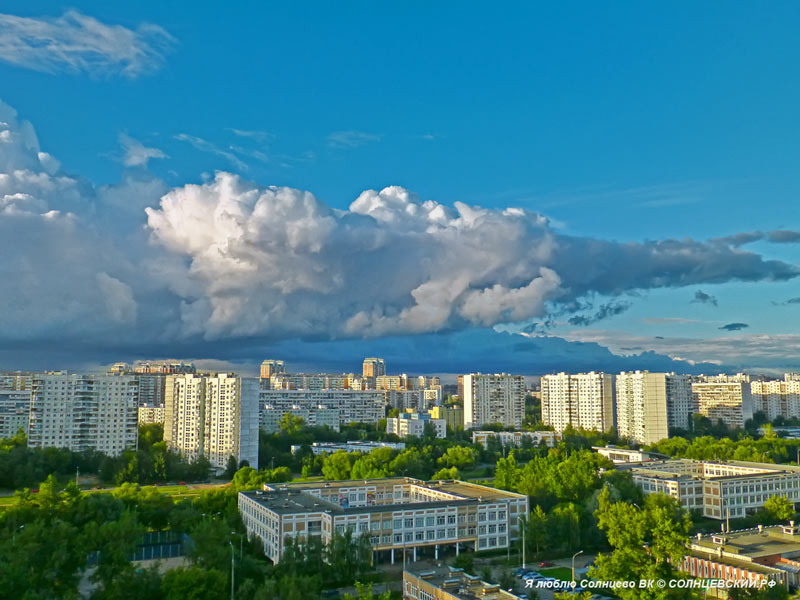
[{"x": 562, "y": 573}]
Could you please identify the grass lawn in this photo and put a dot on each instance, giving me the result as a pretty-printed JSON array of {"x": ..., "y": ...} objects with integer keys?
[{"x": 562, "y": 573}]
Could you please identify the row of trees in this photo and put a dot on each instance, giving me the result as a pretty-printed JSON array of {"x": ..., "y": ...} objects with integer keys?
[
  {"x": 152, "y": 462},
  {"x": 52, "y": 540}
]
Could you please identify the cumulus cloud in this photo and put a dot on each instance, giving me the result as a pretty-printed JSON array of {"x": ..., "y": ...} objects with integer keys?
[
  {"x": 278, "y": 262},
  {"x": 702, "y": 298},
  {"x": 229, "y": 261},
  {"x": 351, "y": 139},
  {"x": 734, "y": 326},
  {"x": 77, "y": 43},
  {"x": 137, "y": 154}
]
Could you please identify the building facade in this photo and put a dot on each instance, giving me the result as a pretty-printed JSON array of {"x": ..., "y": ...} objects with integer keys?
[
  {"x": 365, "y": 447},
  {"x": 215, "y": 416},
  {"x": 731, "y": 489},
  {"x": 777, "y": 398},
  {"x": 728, "y": 401},
  {"x": 84, "y": 412},
  {"x": 398, "y": 514},
  {"x": 150, "y": 414},
  {"x": 516, "y": 438},
  {"x": 353, "y": 406},
  {"x": 498, "y": 398},
  {"x": 648, "y": 404},
  {"x": 582, "y": 401},
  {"x": 450, "y": 583},
  {"x": 15, "y": 408},
  {"x": 269, "y": 418}
]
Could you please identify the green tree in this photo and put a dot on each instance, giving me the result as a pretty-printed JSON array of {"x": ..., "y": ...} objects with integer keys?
[
  {"x": 336, "y": 466},
  {"x": 445, "y": 473},
  {"x": 459, "y": 456},
  {"x": 194, "y": 583},
  {"x": 364, "y": 592},
  {"x": 779, "y": 508}
]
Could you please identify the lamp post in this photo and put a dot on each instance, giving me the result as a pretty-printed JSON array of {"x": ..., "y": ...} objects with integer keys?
[
  {"x": 573, "y": 564},
  {"x": 521, "y": 524},
  {"x": 14, "y": 535},
  {"x": 232, "y": 573}
]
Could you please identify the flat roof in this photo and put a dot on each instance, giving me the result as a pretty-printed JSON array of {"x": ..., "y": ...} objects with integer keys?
[
  {"x": 462, "y": 585},
  {"x": 292, "y": 498}
]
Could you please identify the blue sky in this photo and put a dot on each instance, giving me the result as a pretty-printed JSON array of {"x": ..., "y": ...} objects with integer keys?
[{"x": 621, "y": 122}]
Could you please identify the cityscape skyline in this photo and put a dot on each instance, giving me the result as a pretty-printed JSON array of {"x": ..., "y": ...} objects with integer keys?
[{"x": 324, "y": 227}]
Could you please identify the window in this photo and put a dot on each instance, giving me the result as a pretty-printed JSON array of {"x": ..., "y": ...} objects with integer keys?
[
  {"x": 429, "y": 521},
  {"x": 440, "y": 520},
  {"x": 482, "y": 516}
]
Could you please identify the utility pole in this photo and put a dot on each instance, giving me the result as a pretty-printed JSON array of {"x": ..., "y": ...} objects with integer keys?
[
  {"x": 77, "y": 470},
  {"x": 233, "y": 556}
]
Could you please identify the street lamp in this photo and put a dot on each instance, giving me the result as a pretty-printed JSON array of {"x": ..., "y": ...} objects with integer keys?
[
  {"x": 521, "y": 524},
  {"x": 14, "y": 535},
  {"x": 573, "y": 564},
  {"x": 232, "y": 559}
]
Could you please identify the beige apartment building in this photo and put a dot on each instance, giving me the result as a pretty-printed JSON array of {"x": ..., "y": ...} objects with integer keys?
[
  {"x": 498, "y": 398},
  {"x": 777, "y": 398},
  {"x": 450, "y": 583},
  {"x": 728, "y": 401},
  {"x": 648, "y": 404},
  {"x": 215, "y": 416},
  {"x": 581, "y": 400},
  {"x": 398, "y": 514},
  {"x": 720, "y": 490}
]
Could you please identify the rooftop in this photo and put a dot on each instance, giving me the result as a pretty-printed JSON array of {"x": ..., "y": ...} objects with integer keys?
[{"x": 461, "y": 585}]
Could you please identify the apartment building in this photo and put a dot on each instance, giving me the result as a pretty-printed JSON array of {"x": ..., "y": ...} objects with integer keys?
[
  {"x": 353, "y": 406},
  {"x": 15, "y": 408},
  {"x": 84, "y": 412},
  {"x": 269, "y": 418},
  {"x": 398, "y": 514},
  {"x": 720, "y": 490},
  {"x": 498, "y": 398},
  {"x": 271, "y": 367},
  {"x": 648, "y": 404},
  {"x": 312, "y": 381},
  {"x": 373, "y": 367},
  {"x": 453, "y": 415},
  {"x": 215, "y": 416},
  {"x": 516, "y": 438},
  {"x": 758, "y": 558},
  {"x": 450, "y": 583},
  {"x": 728, "y": 401},
  {"x": 622, "y": 455},
  {"x": 414, "y": 423},
  {"x": 777, "y": 398},
  {"x": 150, "y": 414},
  {"x": 582, "y": 401}
]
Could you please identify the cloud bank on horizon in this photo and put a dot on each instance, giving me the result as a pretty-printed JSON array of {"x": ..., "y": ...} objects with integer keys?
[{"x": 140, "y": 268}]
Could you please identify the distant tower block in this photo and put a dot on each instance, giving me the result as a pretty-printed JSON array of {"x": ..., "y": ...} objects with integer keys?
[
  {"x": 271, "y": 367},
  {"x": 374, "y": 367}
]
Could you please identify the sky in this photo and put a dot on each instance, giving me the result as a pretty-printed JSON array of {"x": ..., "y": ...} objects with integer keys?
[{"x": 526, "y": 187}]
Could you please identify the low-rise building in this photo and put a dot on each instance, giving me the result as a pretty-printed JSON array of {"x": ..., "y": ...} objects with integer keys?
[
  {"x": 355, "y": 446},
  {"x": 450, "y": 583},
  {"x": 414, "y": 423},
  {"x": 622, "y": 455},
  {"x": 750, "y": 556},
  {"x": 720, "y": 490},
  {"x": 515, "y": 438},
  {"x": 398, "y": 514}
]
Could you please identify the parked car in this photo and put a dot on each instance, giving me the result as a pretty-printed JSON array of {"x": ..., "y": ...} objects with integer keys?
[
  {"x": 545, "y": 563},
  {"x": 532, "y": 575},
  {"x": 520, "y": 571},
  {"x": 522, "y": 596}
]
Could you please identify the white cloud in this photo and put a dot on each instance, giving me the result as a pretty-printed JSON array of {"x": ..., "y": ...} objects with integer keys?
[
  {"x": 351, "y": 139},
  {"x": 76, "y": 43},
  {"x": 136, "y": 153},
  {"x": 211, "y": 148}
]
